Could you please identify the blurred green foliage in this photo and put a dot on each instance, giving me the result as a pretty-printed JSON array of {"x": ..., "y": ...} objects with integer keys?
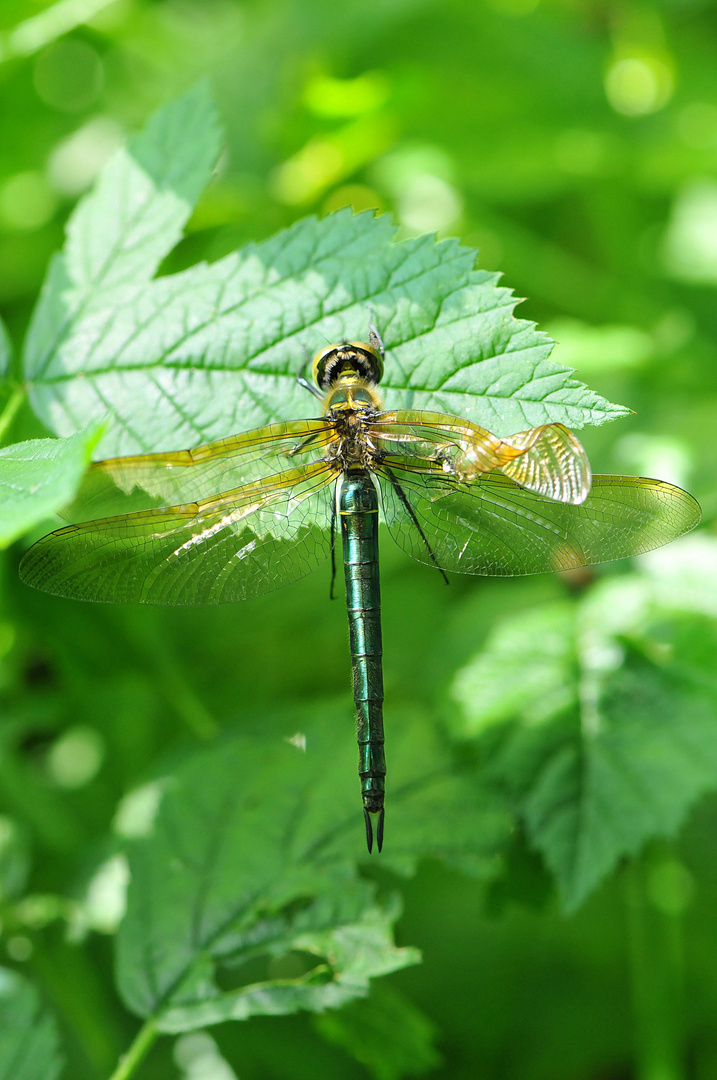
[{"x": 575, "y": 144}]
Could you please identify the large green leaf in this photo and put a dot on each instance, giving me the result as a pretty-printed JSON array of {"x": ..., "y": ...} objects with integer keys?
[
  {"x": 600, "y": 715},
  {"x": 38, "y": 477},
  {"x": 215, "y": 349},
  {"x": 251, "y": 856},
  {"x": 29, "y": 1047},
  {"x": 248, "y": 872}
]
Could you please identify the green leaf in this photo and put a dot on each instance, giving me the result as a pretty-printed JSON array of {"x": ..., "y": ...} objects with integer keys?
[
  {"x": 38, "y": 477},
  {"x": 526, "y": 670},
  {"x": 236, "y": 875},
  {"x": 215, "y": 349},
  {"x": 611, "y": 739},
  {"x": 385, "y": 1032},
  {"x": 120, "y": 232},
  {"x": 433, "y": 809},
  {"x": 29, "y": 1045},
  {"x": 251, "y": 863}
]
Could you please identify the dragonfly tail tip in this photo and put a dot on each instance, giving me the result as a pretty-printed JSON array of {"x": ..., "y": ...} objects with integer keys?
[{"x": 369, "y": 831}]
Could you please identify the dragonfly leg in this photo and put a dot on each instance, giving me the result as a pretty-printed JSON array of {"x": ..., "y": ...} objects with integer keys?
[
  {"x": 333, "y": 551},
  {"x": 411, "y": 513},
  {"x": 304, "y": 382},
  {"x": 303, "y": 444}
]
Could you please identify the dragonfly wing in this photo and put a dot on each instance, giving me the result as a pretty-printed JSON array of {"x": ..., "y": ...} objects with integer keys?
[
  {"x": 231, "y": 547},
  {"x": 147, "y": 481},
  {"x": 438, "y": 442},
  {"x": 495, "y": 527},
  {"x": 552, "y": 463},
  {"x": 548, "y": 460}
]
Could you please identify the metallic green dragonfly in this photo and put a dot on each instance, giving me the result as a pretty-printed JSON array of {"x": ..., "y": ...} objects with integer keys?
[{"x": 245, "y": 515}]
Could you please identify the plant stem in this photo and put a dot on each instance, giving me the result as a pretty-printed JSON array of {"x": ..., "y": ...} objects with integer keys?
[
  {"x": 656, "y": 969},
  {"x": 130, "y": 1062},
  {"x": 8, "y": 414}
]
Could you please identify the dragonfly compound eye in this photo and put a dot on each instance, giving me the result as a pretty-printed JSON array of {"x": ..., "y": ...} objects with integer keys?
[
  {"x": 370, "y": 360},
  {"x": 358, "y": 357},
  {"x": 319, "y": 365}
]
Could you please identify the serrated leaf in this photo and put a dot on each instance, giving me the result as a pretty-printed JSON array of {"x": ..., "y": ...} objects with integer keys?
[
  {"x": 215, "y": 350},
  {"x": 385, "y": 1032},
  {"x": 611, "y": 743},
  {"x": 121, "y": 231},
  {"x": 346, "y": 958},
  {"x": 252, "y": 856},
  {"x": 29, "y": 1044},
  {"x": 604, "y": 797},
  {"x": 38, "y": 477},
  {"x": 234, "y": 871}
]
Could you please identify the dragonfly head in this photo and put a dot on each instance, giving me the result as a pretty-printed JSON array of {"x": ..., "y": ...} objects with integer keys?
[{"x": 349, "y": 358}]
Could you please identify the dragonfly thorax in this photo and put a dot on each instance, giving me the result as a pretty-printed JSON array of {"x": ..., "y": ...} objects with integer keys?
[{"x": 351, "y": 406}]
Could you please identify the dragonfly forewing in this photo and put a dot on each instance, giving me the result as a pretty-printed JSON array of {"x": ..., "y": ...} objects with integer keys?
[{"x": 147, "y": 481}]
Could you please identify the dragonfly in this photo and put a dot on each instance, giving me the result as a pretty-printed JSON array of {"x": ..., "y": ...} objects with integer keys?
[{"x": 245, "y": 515}]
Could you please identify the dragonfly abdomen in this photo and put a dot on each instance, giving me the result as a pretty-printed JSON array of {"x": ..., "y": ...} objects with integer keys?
[{"x": 358, "y": 511}]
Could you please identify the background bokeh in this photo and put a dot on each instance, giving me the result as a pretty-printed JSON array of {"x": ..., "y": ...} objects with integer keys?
[{"x": 574, "y": 143}]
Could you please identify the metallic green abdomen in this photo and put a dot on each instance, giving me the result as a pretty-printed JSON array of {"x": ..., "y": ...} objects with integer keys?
[{"x": 358, "y": 510}]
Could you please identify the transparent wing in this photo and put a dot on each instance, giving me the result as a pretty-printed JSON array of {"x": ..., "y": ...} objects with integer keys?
[
  {"x": 548, "y": 460},
  {"x": 552, "y": 463},
  {"x": 495, "y": 527},
  {"x": 244, "y": 543},
  {"x": 123, "y": 485}
]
